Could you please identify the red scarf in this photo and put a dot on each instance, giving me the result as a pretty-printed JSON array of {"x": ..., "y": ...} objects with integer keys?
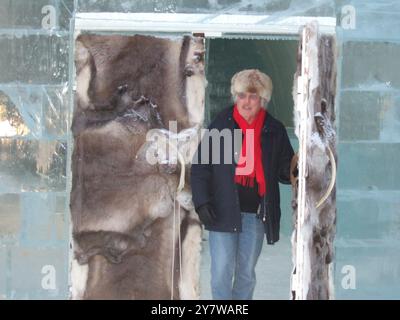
[{"x": 257, "y": 171}]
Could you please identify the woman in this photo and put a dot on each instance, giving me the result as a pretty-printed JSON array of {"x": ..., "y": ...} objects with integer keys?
[{"x": 238, "y": 201}]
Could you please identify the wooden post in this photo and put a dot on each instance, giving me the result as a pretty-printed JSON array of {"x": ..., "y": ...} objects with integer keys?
[{"x": 314, "y": 201}]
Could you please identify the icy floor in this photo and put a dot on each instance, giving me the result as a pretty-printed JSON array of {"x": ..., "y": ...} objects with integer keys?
[{"x": 273, "y": 271}]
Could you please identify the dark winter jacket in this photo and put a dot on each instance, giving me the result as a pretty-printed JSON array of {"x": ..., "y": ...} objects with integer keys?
[{"x": 214, "y": 183}]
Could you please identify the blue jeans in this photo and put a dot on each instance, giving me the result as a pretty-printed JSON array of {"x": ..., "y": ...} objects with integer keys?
[{"x": 233, "y": 259}]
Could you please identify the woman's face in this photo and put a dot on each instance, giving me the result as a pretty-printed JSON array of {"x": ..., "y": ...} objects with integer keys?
[{"x": 248, "y": 105}]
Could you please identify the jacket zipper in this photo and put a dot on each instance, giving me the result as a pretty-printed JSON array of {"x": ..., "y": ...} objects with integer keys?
[
  {"x": 232, "y": 125},
  {"x": 265, "y": 211},
  {"x": 265, "y": 195}
]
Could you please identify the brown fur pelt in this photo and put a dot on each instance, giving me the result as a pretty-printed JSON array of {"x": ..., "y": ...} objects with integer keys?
[{"x": 126, "y": 213}]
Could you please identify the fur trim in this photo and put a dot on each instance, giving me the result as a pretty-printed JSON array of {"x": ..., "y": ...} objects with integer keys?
[
  {"x": 79, "y": 277},
  {"x": 189, "y": 286}
]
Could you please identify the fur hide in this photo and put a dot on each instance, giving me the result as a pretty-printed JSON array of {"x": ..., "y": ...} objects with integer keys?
[
  {"x": 314, "y": 200},
  {"x": 135, "y": 236}
]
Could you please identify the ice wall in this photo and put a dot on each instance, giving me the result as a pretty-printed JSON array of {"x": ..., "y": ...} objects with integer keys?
[
  {"x": 277, "y": 8},
  {"x": 34, "y": 217},
  {"x": 368, "y": 212}
]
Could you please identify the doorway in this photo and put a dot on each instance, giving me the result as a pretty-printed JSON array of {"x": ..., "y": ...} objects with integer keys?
[
  {"x": 277, "y": 58},
  {"x": 274, "y": 55}
]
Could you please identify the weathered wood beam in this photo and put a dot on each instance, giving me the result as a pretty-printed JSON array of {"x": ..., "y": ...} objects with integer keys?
[{"x": 314, "y": 202}]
